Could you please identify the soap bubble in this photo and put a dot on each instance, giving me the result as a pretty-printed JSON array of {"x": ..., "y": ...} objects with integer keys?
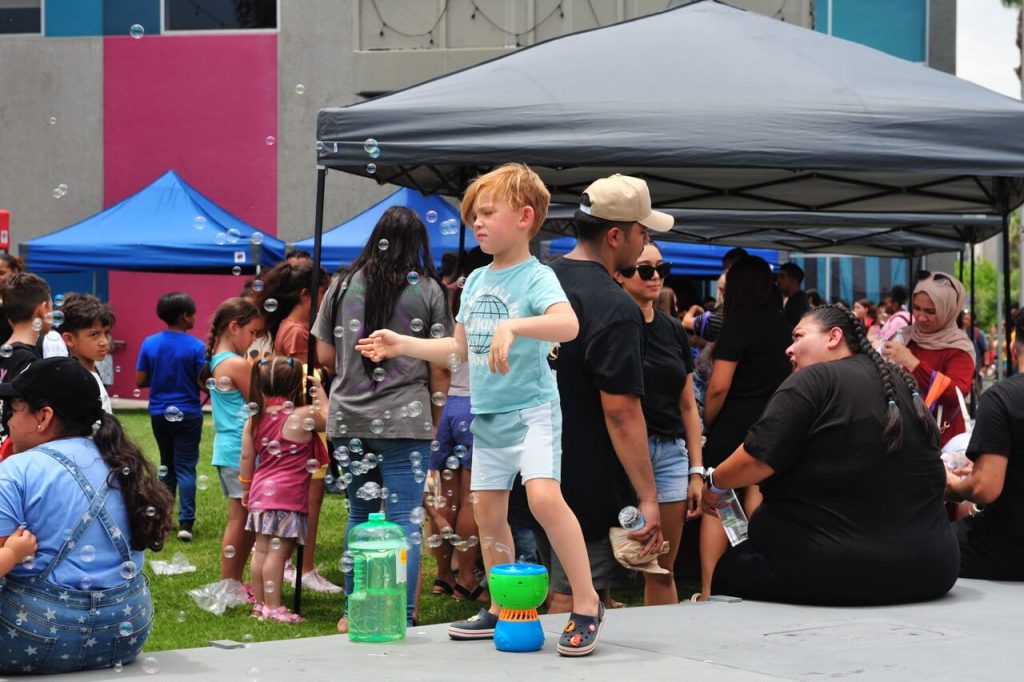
[
  {"x": 460, "y": 282},
  {"x": 355, "y": 446},
  {"x": 371, "y": 168},
  {"x": 59, "y": 299},
  {"x": 379, "y": 374},
  {"x": 53, "y": 120},
  {"x": 416, "y": 324},
  {"x": 274, "y": 447},
  {"x": 125, "y": 629},
  {"x": 125, "y": 471},
  {"x": 270, "y": 305},
  {"x": 253, "y": 674},
  {"x": 347, "y": 563},
  {"x": 377, "y": 426},
  {"x": 85, "y": 583},
  {"x": 203, "y": 482},
  {"x": 454, "y": 361},
  {"x": 180, "y": 616},
  {"x": 463, "y": 426},
  {"x": 224, "y": 383},
  {"x": 256, "y": 239},
  {"x": 252, "y": 409},
  {"x": 308, "y": 424},
  {"x": 136, "y": 31},
  {"x": 417, "y": 515},
  {"x": 269, "y": 488},
  {"x": 237, "y": 270},
  {"x": 257, "y": 285},
  {"x": 447, "y": 474},
  {"x": 436, "y": 330},
  {"x": 150, "y": 665},
  {"x": 37, "y": 324},
  {"x": 452, "y": 462},
  {"x": 383, "y": 244},
  {"x": 211, "y": 384},
  {"x": 431, "y": 216},
  {"x": 415, "y": 457},
  {"x": 354, "y": 325},
  {"x": 150, "y": 511},
  {"x": 199, "y": 222},
  {"x": 220, "y": 239},
  {"x": 419, "y": 477},
  {"x": 57, "y": 194},
  {"x": 413, "y": 277},
  {"x": 128, "y": 570},
  {"x": 416, "y": 537},
  {"x": 371, "y": 147},
  {"x": 460, "y": 450},
  {"x": 287, "y": 407},
  {"x": 88, "y": 553},
  {"x": 233, "y": 235},
  {"x": 434, "y": 541},
  {"x": 173, "y": 414},
  {"x": 449, "y": 227},
  {"x": 248, "y": 639},
  {"x": 438, "y": 398},
  {"x": 161, "y": 471},
  {"x": 136, "y": 393},
  {"x": 473, "y": 498},
  {"x": 270, "y": 140},
  {"x": 270, "y": 587},
  {"x": 312, "y": 465},
  {"x": 300, "y": 89},
  {"x": 339, "y": 332},
  {"x": 229, "y": 551}
]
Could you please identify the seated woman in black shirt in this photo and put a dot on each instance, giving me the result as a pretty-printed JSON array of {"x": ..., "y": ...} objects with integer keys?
[
  {"x": 670, "y": 411},
  {"x": 847, "y": 459}
]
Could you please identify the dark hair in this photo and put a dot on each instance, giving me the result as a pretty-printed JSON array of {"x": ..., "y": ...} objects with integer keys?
[
  {"x": 871, "y": 307},
  {"x": 750, "y": 286},
  {"x": 733, "y": 255},
  {"x": 285, "y": 283},
  {"x": 296, "y": 253},
  {"x": 14, "y": 263},
  {"x": 386, "y": 271},
  {"x": 592, "y": 229},
  {"x": 148, "y": 502},
  {"x": 173, "y": 306},
  {"x": 793, "y": 270},
  {"x": 828, "y": 316},
  {"x": 449, "y": 261},
  {"x": 1018, "y": 328},
  {"x": 813, "y": 298},
  {"x": 899, "y": 294},
  {"x": 237, "y": 309},
  {"x": 82, "y": 311},
  {"x": 277, "y": 376},
  {"x": 23, "y": 292}
]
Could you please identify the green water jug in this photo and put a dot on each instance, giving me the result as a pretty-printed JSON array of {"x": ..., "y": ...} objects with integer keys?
[{"x": 380, "y": 557}]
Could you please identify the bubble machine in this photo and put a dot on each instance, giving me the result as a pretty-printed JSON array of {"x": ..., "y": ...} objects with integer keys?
[{"x": 520, "y": 589}]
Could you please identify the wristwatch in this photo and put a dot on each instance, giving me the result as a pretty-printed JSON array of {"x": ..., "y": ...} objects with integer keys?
[
  {"x": 696, "y": 470},
  {"x": 710, "y": 480}
]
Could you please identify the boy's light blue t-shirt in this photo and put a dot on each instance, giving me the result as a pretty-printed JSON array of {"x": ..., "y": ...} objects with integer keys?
[{"x": 490, "y": 296}]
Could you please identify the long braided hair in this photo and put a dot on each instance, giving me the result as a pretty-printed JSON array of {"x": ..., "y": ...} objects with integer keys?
[
  {"x": 236, "y": 309},
  {"x": 828, "y": 316}
]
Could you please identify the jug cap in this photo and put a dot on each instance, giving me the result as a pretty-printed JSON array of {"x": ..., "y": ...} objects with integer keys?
[{"x": 378, "y": 516}]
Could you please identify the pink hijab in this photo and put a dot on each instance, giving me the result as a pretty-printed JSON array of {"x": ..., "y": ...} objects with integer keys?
[{"x": 947, "y": 294}]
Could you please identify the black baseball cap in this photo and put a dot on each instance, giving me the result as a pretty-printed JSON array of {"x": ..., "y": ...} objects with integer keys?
[{"x": 61, "y": 383}]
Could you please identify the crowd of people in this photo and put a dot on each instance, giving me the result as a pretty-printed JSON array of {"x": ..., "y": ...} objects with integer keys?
[{"x": 523, "y": 408}]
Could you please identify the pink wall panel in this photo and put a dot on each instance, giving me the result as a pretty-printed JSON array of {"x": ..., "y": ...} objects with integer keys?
[{"x": 204, "y": 106}]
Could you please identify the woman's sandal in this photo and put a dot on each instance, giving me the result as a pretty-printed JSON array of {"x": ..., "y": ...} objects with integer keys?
[
  {"x": 581, "y": 633},
  {"x": 441, "y": 587},
  {"x": 282, "y": 615},
  {"x": 465, "y": 594}
]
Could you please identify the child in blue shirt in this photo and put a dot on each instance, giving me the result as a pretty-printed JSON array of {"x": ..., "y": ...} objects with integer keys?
[
  {"x": 511, "y": 313},
  {"x": 169, "y": 365}
]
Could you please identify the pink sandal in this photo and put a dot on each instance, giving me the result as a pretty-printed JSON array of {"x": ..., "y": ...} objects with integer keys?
[{"x": 282, "y": 615}]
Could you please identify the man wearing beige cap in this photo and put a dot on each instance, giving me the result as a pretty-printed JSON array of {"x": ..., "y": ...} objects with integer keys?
[{"x": 605, "y": 461}]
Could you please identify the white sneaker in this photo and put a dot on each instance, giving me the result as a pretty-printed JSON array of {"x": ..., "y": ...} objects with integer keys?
[
  {"x": 289, "y": 573},
  {"x": 317, "y": 583},
  {"x": 184, "y": 535}
]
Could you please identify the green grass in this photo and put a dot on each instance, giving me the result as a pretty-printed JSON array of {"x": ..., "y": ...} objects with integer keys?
[{"x": 181, "y": 624}]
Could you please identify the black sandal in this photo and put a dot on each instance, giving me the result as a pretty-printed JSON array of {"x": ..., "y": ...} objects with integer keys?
[
  {"x": 581, "y": 632},
  {"x": 441, "y": 587},
  {"x": 464, "y": 594}
]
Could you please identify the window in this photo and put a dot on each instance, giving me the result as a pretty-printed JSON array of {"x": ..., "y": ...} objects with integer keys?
[
  {"x": 219, "y": 15},
  {"x": 21, "y": 16}
]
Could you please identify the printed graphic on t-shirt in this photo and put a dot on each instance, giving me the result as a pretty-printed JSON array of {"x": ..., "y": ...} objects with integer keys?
[{"x": 486, "y": 311}]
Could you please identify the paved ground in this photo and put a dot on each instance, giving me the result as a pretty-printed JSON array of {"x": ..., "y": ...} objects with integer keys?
[{"x": 973, "y": 633}]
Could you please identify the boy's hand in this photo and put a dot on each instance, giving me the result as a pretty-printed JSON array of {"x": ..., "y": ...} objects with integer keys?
[
  {"x": 501, "y": 344},
  {"x": 22, "y": 543},
  {"x": 380, "y": 345}
]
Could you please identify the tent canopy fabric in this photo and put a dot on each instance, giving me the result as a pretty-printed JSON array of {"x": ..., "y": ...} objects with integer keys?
[
  {"x": 690, "y": 260},
  {"x": 343, "y": 243},
  {"x": 716, "y": 107},
  {"x": 166, "y": 227},
  {"x": 899, "y": 235}
]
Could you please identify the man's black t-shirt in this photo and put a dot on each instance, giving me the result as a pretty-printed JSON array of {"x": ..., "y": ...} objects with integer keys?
[
  {"x": 607, "y": 355},
  {"x": 667, "y": 362},
  {"x": 795, "y": 307},
  {"x": 22, "y": 354},
  {"x": 842, "y": 521},
  {"x": 756, "y": 340},
  {"x": 997, "y": 534}
]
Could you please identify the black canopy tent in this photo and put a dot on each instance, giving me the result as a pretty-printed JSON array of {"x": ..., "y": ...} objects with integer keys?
[{"x": 717, "y": 108}]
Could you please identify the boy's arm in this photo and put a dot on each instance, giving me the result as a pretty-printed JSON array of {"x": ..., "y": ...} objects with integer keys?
[
  {"x": 384, "y": 343},
  {"x": 557, "y": 324}
]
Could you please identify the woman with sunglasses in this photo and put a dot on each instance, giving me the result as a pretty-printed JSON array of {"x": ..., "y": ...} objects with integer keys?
[
  {"x": 937, "y": 353},
  {"x": 749, "y": 364},
  {"x": 670, "y": 411},
  {"x": 847, "y": 458}
]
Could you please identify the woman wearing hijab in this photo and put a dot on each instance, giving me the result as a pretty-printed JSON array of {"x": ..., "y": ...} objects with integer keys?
[{"x": 938, "y": 354}]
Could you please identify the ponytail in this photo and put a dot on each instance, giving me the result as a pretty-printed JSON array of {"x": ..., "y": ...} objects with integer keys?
[{"x": 237, "y": 309}]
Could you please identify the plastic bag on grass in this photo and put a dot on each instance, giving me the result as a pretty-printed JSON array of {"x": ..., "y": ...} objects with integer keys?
[
  {"x": 178, "y": 564},
  {"x": 219, "y": 596}
]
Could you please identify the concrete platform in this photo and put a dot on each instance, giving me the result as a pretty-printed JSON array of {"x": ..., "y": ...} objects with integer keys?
[{"x": 973, "y": 633}]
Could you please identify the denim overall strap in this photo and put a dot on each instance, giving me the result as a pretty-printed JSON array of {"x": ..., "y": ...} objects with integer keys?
[{"x": 96, "y": 510}]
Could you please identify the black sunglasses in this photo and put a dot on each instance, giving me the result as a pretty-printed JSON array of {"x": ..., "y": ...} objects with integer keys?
[
  {"x": 938, "y": 277},
  {"x": 647, "y": 271}
]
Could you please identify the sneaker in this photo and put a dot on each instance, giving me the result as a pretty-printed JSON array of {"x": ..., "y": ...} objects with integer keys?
[
  {"x": 480, "y": 626},
  {"x": 317, "y": 583},
  {"x": 289, "y": 573},
  {"x": 185, "y": 534}
]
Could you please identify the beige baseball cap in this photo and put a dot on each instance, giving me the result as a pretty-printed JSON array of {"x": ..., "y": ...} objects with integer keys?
[{"x": 622, "y": 197}]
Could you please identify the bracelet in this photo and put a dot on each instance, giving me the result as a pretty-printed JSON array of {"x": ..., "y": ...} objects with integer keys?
[
  {"x": 244, "y": 480},
  {"x": 710, "y": 479},
  {"x": 699, "y": 470}
]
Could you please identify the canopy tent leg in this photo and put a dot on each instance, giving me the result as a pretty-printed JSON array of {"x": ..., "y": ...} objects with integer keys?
[
  {"x": 1007, "y": 304},
  {"x": 972, "y": 288}
]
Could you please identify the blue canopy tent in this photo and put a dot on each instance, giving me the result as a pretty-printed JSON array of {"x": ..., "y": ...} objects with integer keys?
[
  {"x": 342, "y": 244},
  {"x": 690, "y": 260},
  {"x": 166, "y": 227}
]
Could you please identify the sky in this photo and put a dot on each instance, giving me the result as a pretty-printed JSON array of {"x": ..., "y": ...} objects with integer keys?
[{"x": 986, "y": 48}]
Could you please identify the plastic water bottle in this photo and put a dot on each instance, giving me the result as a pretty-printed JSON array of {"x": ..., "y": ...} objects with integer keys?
[
  {"x": 734, "y": 519},
  {"x": 631, "y": 519},
  {"x": 376, "y": 607}
]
